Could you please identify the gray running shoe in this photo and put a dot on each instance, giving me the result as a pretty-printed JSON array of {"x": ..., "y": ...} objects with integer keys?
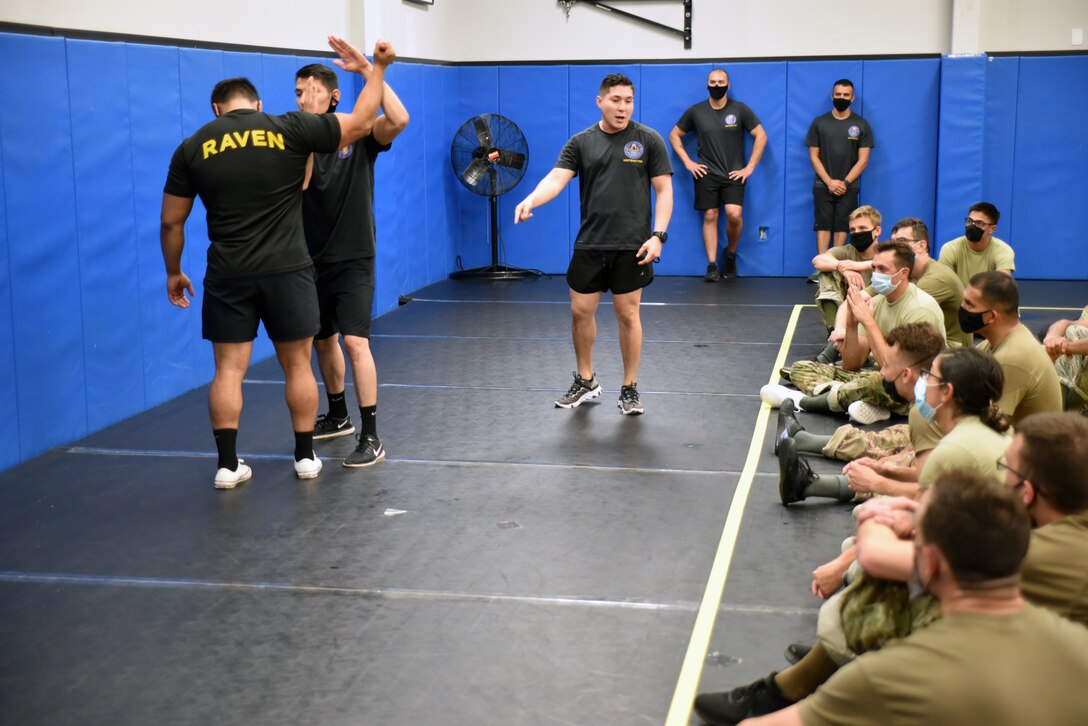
[
  {"x": 580, "y": 392},
  {"x": 368, "y": 453},
  {"x": 328, "y": 427},
  {"x": 629, "y": 403}
]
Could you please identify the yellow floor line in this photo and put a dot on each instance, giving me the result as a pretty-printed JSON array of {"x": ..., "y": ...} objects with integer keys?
[{"x": 692, "y": 669}]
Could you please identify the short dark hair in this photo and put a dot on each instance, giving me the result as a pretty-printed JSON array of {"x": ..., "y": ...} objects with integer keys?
[
  {"x": 904, "y": 255},
  {"x": 988, "y": 209},
  {"x": 322, "y": 73},
  {"x": 977, "y": 382},
  {"x": 231, "y": 88},
  {"x": 980, "y": 526},
  {"x": 1054, "y": 457},
  {"x": 919, "y": 342},
  {"x": 843, "y": 82},
  {"x": 998, "y": 290},
  {"x": 918, "y": 228},
  {"x": 614, "y": 79}
]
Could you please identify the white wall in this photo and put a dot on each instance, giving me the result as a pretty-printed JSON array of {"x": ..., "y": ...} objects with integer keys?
[{"x": 538, "y": 30}]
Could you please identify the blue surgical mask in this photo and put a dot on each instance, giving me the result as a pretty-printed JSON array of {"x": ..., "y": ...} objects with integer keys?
[
  {"x": 882, "y": 284},
  {"x": 927, "y": 411}
]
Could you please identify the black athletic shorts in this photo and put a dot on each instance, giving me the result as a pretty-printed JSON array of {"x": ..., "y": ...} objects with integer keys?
[
  {"x": 833, "y": 213},
  {"x": 286, "y": 303},
  {"x": 713, "y": 191},
  {"x": 593, "y": 271},
  {"x": 345, "y": 293}
]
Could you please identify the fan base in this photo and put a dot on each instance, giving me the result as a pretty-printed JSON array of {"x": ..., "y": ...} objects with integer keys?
[{"x": 495, "y": 272}]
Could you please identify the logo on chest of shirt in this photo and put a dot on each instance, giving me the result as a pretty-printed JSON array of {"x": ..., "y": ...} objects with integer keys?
[
  {"x": 345, "y": 152},
  {"x": 633, "y": 150},
  {"x": 853, "y": 133},
  {"x": 730, "y": 119}
]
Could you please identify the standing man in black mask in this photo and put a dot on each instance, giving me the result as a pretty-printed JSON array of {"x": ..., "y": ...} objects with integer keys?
[
  {"x": 838, "y": 148},
  {"x": 720, "y": 174},
  {"x": 978, "y": 250}
]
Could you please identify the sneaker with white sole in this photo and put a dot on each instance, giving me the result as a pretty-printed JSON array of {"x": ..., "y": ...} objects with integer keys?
[
  {"x": 773, "y": 395},
  {"x": 865, "y": 413},
  {"x": 580, "y": 392},
  {"x": 629, "y": 402},
  {"x": 327, "y": 427},
  {"x": 308, "y": 468},
  {"x": 227, "y": 479},
  {"x": 368, "y": 453}
]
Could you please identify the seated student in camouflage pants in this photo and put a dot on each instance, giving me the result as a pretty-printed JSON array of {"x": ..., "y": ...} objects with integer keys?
[{"x": 1066, "y": 343}]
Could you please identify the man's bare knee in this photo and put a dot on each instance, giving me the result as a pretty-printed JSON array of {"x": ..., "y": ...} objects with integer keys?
[{"x": 710, "y": 216}]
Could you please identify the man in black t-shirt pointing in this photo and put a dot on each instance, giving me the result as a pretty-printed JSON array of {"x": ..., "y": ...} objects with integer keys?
[
  {"x": 248, "y": 169},
  {"x": 721, "y": 172},
  {"x": 619, "y": 160}
]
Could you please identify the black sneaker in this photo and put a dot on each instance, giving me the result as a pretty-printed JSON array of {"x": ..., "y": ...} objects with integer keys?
[
  {"x": 796, "y": 651},
  {"x": 794, "y": 473},
  {"x": 331, "y": 428},
  {"x": 712, "y": 274},
  {"x": 629, "y": 403},
  {"x": 729, "y": 266},
  {"x": 788, "y": 425},
  {"x": 813, "y": 278},
  {"x": 580, "y": 392},
  {"x": 368, "y": 453},
  {"x": 728, "y": 708}
]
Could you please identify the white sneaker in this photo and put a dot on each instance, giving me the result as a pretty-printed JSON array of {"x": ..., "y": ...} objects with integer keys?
[
  {"x": 773, "y": 395},
  {"x": 866, "y": 413},
  {"x": 227, "y": 479},
  {"x": 308, "y": 468}
]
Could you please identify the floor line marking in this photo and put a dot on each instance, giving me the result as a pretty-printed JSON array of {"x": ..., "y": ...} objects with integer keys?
[
  {"x": 609, "y": 302},
  {"x": 452, "y": 387},
  {"x": 692, "y": 669},
  {"x": 63, "y": 578},
  {"x": 464, "y": 463},
  {"x": 600, "y": 339}
]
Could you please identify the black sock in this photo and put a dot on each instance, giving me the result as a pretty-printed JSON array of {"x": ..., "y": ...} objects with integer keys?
[
  {"x": 226, "y": 443},
  {"x": 368, "y": 421},
  {"x": 338, "y": 407},
  {"x": 304, "y": 445}
]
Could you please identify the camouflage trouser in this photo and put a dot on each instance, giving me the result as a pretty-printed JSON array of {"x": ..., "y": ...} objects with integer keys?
[
  {"x": 1073, "y": 370},
  {"x": 849, "y": 443},
  {"x": 843, "y": 386},
  {"x": 830, "y": 295}
]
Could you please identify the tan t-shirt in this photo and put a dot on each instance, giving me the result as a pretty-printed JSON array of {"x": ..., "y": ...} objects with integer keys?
[
  {"x": 1031, "y": 383},
  {"x": 1055, "y": 572},
  {"x": 967, "y": 263},
  {"x": 849, "y": 252},
  {"x": 967, "y": 669},
  {"x": 946, "y": 289},
  {"x": 924, "y": 435},
  {"x": 915, "y": 306},
  {"x": 972, "y": 445}
]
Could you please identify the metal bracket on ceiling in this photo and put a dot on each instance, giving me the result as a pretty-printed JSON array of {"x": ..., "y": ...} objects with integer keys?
[{"x": 684, "y": 33}]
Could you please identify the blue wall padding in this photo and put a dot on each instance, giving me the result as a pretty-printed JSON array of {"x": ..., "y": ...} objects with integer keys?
[
  {"x": 808, "y": 95},
  {"x": 105, "y": 217},
  {"x": 535, "y": 98},
  {"x": 153, "y": 73},
  {"x": 899, "y": 178},
  {"x": 9, "y": 422},
  {"x": 42, "y": 250},
  {"x": 960, "y": 156},
  {"x": 998, "y": 162},
  {"x": 1049, "y": 190},
  {"x": 87, "y": 336}
]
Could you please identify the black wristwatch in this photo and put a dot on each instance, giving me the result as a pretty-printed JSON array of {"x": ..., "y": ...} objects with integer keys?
[{"x": 663, "y": 236}]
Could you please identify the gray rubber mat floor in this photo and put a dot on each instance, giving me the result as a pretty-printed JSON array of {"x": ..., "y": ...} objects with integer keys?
[{"x": 509, "y": 562}]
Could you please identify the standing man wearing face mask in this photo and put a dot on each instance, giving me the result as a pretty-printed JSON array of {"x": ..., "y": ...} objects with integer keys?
[
  {"x": 978, "y": 250},
  {"x": 720, "y": 174},
  {"x": 838, "y": 149},
  {"x": 338, "y": 217},
  {"x": 991, "y": 308}
]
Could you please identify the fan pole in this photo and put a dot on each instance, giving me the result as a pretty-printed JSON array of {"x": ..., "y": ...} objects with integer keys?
[{"x": 496, "y": 271}]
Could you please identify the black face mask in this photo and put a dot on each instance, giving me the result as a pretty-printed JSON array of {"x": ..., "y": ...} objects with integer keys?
[
  {"x": 969, "y": 321},
  {"x": 889, "y": 388},
  {"x": 861, "y": 241},
  {"x": 973, "y": 233},
  {"x": 717, "y": 92},
  {"x": 841, "y": 104}
]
